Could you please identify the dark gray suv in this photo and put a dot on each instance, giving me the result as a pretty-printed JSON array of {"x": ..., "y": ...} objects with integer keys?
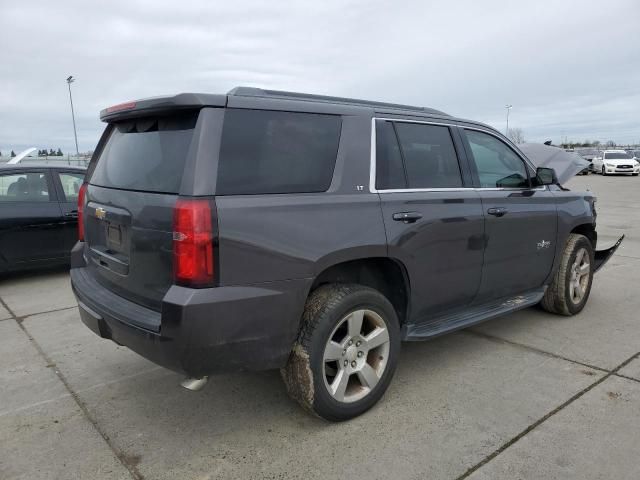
[{"x": 263, "y": 229}]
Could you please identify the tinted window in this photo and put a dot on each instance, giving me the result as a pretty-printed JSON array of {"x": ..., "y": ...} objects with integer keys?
[
  {"x": 429, "y": 156},
  {"x": 277, "y": 152},
  {"x": 498, "y": 166},
  {"x": 24, "y": 187},
  {"x": 71, "y": 183},
  {"x": 146, "y": 154},
  {"x": 389, "y": 169},
  {"x": 617, "y": 156}
]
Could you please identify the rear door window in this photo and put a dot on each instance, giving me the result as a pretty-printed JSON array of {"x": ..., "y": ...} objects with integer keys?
[
  {"x": 265, "y": 151},
  {"x": 389, "y": 168},
  {"x": 146, "y": 154},
  {"x": 24, "y": 187},
  {"x": 429, "y": 156},
  {"x": 71, "y": 183}
]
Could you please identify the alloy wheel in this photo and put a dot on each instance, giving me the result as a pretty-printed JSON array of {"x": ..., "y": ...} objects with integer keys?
[{"x": 355, "y": 355}]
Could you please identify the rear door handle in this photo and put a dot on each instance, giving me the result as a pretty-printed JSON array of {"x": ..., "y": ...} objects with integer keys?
[
  {"x": 407, "y": 217},
  {"x": 497, "y": 211}
]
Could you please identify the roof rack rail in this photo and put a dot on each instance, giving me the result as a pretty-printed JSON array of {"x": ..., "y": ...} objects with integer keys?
[{"x": 260, "y": 92}]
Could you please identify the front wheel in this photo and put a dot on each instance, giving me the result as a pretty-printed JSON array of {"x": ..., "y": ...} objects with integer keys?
[
  {"x": 346, "y": 352},
  {"x": 569, "y": 291}
]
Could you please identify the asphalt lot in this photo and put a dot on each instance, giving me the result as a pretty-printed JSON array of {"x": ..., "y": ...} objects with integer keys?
[{"x": 526, "y": 396}]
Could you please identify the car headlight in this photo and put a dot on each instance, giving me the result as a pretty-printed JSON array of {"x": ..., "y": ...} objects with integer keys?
[{"x": 609, "y": 164}]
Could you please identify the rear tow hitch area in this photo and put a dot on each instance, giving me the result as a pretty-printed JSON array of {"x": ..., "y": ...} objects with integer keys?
[
  {"x": 194, "y": 384},
  {"x": 602, "y": 256}
]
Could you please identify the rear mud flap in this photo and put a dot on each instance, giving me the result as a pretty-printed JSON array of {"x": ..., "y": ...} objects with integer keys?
[{"x": 602, "y": 256}]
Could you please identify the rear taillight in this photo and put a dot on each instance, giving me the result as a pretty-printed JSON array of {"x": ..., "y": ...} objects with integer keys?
[
  {"x": 193, "y": 243},
  {"x": 81, "y": 195}
]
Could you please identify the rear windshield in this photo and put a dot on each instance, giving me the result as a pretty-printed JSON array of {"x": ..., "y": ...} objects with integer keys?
[
  {"x": 266, "y": 151},
  {"x": 617, "y": 156},
  {"x": 146, "y": 154}
]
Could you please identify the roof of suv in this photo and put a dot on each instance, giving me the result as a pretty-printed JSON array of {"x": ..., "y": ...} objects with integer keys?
[{"x": 196, "y": 100}]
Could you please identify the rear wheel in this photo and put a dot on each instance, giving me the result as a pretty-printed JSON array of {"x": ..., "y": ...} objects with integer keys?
[
  {"x": 569, "y": 291},
  {"x": 346, "y": 353},
  {"x": 604, "y": 172}
]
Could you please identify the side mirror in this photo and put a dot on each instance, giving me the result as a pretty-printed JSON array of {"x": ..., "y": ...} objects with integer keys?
[{"x": 546, "y": 176}]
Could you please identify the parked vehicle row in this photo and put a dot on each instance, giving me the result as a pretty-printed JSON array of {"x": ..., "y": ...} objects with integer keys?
[
  {"x": 616, "y": 162},
  {"x": 264, "y": 229}
]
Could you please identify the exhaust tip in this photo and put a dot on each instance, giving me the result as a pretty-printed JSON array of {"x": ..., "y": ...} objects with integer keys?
[{"x": 194, "y": 384}]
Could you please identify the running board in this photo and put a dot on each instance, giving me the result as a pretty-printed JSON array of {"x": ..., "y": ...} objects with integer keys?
[{"x": 471, "y": 316}]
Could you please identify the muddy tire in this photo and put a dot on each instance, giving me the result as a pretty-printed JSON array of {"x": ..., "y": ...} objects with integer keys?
[
  {"x": 346, "y": 352},
  {"x": 569, "y": 291}
]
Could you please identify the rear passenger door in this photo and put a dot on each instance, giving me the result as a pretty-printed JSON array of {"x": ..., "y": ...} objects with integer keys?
[
  {"x": 520, "y": 219},
  {"x": 68, "y": 185},
  {"x": 432, "y": 215}
]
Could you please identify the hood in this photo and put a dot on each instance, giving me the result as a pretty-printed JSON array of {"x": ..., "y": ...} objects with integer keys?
[{"x": 566, "y": 164}]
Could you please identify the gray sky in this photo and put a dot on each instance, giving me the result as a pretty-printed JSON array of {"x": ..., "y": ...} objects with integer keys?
[{"x": 568, "y": 67}]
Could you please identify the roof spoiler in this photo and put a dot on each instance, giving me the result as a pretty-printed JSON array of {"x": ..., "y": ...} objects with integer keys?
[{"x": 155, "y": 105}]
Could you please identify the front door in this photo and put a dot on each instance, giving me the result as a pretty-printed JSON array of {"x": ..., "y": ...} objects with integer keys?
[
  {"x": 433, "y": 218},
  {"x": 520, "y": 219},
  {"x": 29, "y": 218}
]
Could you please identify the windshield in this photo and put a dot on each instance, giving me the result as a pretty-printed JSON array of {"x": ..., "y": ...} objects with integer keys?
[{"x": 617, "y": 156}]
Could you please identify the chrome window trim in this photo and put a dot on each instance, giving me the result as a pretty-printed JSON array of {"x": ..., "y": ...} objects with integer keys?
[{"x": 373, "y": 159}]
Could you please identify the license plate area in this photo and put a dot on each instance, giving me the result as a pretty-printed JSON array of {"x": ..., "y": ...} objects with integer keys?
[{"x": 114, "y": 236}]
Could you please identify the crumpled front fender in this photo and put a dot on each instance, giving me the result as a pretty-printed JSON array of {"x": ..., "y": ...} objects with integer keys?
[{"x": 602, "y": 256}]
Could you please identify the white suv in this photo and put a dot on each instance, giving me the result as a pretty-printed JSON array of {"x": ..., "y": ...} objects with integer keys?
[{"x": 616, "y": 161}]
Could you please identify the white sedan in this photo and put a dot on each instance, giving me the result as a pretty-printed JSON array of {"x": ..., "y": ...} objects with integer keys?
[{"x": 615, "y": 161}]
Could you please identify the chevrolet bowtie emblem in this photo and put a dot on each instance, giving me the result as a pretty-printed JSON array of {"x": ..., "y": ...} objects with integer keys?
[{"x": 101, "y": 213}]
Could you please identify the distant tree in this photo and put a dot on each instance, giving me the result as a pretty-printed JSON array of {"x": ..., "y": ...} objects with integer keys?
[
  {"x": 13, "y": 154},
  {"x": 59, "y": 153},
  {"x": 41, "y": 153},
  {"x": 52, "y": 153},
  {"x": 610, "y": 143},
  {"x": 0, "y": 154},
  {"x": 596, "y": 143},
  {"x": 516, "y": 135}
]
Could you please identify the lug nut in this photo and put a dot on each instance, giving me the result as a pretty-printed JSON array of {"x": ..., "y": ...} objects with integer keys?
[
  {"x": 350, "y": 342},
  {"x": 358, "y": 343},
  {"x": 346, "y": 362},
  {"x": 353, "y": 364},
  {"x": 344, "y": 352},
  {"x": 360, "y": 354}
]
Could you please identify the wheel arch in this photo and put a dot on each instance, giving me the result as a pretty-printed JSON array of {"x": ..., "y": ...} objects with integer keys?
[
  {"x": 384, "y": 274},
  {"x": 589, "y": 231}
]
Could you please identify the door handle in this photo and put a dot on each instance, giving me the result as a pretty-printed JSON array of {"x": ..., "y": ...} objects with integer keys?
[
  {"x": 72, "y": 214},
  {"x": 407, "y": 217},
  {"x": 497, "y": 211}
]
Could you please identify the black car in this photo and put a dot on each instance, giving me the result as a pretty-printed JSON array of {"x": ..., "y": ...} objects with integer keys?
[
  {"x": 263, "y": 229},
  {"x": 38, "y": 214}
]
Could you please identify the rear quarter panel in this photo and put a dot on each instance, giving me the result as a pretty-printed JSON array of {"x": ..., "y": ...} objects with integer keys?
[{"x": 264, "y": 238}]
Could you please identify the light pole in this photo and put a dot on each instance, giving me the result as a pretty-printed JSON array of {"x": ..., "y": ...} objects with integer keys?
[
  {"x": 70, "y": 80},
  {"x": 508, "y": 107}
]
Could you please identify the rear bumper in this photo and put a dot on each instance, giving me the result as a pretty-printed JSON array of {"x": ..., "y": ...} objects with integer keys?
[{"x": 200, "y": 331}]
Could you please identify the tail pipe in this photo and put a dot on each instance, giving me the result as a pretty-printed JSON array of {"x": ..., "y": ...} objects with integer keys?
[{"x": 194, "y": 384}]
